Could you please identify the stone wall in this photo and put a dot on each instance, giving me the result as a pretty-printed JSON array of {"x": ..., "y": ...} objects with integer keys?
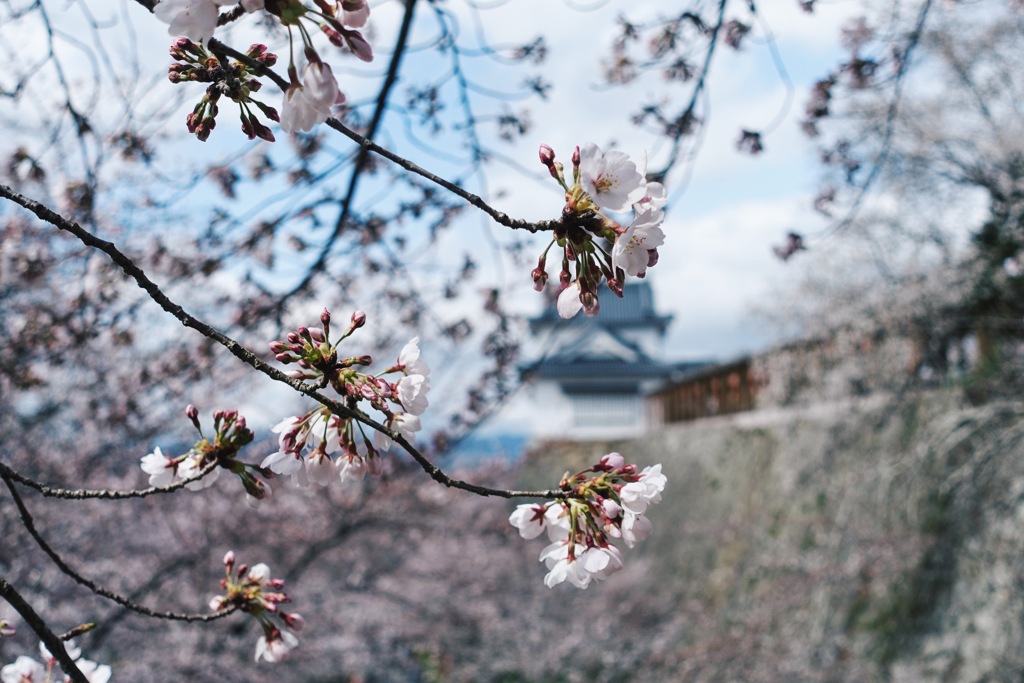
[{"x": 855, "y": 539}]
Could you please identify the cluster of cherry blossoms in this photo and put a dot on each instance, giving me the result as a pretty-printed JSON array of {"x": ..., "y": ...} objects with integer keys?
[
  {"x": 201, "y": 465},
  {"x": 308, "y": 99},
  {"x": 28, "y": 670},
  {"x": 595, "y": 245},
  {"x": 252, "y": 591},
  {"x": 605, "y": 502},
  {"x": 321, "y": 446}
]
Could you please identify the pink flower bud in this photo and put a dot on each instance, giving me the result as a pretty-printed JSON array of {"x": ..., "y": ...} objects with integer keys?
[
  {"x": 590, "y": 303},
  {"x": 360, "y": 48},
  {"x": 540, "y": 278},
  {"x": 229, "y": 559},
  {"x": 358, "y": 320},
  {"x": 294, "y": 622},
  {"x": 547, "y": 156},
  {"x": 325, "y": 320},
  {"x": 317, "y": 335},
  {"x": 192, "y": 413},
  {"x": 612, "y": 461},
  {"x": 276, "y": 584}
]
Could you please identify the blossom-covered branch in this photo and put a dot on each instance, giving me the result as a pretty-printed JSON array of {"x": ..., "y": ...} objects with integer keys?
[
  {"x": 608, "y": 502},
  {"x": 246, "y": 356}
]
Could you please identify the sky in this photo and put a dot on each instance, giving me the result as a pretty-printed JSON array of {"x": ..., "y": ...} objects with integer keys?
[{"x": 717, "y": 261}]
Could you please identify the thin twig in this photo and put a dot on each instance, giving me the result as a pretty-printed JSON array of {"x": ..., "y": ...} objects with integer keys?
[
  {"x": 29, "y": 524},
  {"x": 368, "y": 145},
  {"x": 890, "y": 122},
  {"x": 102, "y": 494},
  {"x": 360, "y": 163}
]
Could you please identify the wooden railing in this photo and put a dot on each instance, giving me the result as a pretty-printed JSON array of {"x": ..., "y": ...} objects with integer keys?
[{"x": 717, "y": 390}]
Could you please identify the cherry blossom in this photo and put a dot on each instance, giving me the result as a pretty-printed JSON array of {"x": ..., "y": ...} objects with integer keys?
[
  {"x": 309, "y": 103},
  {"x": 656, "y": 197},
  {"x": 23, "y": 670},
  {"x": 562, "y": 559},
  {"x": 412, "y": 392},
  {"x": 410, "y": 359},
  {"x": 405, "y": 424},
  {"x": 27, "y": 670},
  {"x": 320, "y": 469},
  {"x": 529, "y": 519},
  {"x": 635, "y": 528},
  {"x": 259, "y": 573},
  {"x": 611, "y": 179},
  {"x": 602, "y": 562},
  {"x": 631, "y": 251},
  {"x": 601, "y": 504},
  {"x": 569, "y": 303},
  {"x": 283, "y": 462},
  {"x": 159, "y": 467},
  {"x": 636, "y": 496},
  {"x": 194, "y": 19},
  {"x": 276, "y": 646},
  {"x": 353, "y": 13},
  {"x": 190, "y": 467}
]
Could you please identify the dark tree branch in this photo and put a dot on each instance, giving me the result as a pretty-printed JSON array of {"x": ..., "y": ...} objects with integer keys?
[
  {"x": 50, "y": 639},
  {"x": 102, "y": 494},
  {"x": 247, "y": 356},
  {"x": 29, "y": 524}
]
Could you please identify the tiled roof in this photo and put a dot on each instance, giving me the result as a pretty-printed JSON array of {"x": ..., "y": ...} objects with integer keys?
[{"x": 634, "y": 309}]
